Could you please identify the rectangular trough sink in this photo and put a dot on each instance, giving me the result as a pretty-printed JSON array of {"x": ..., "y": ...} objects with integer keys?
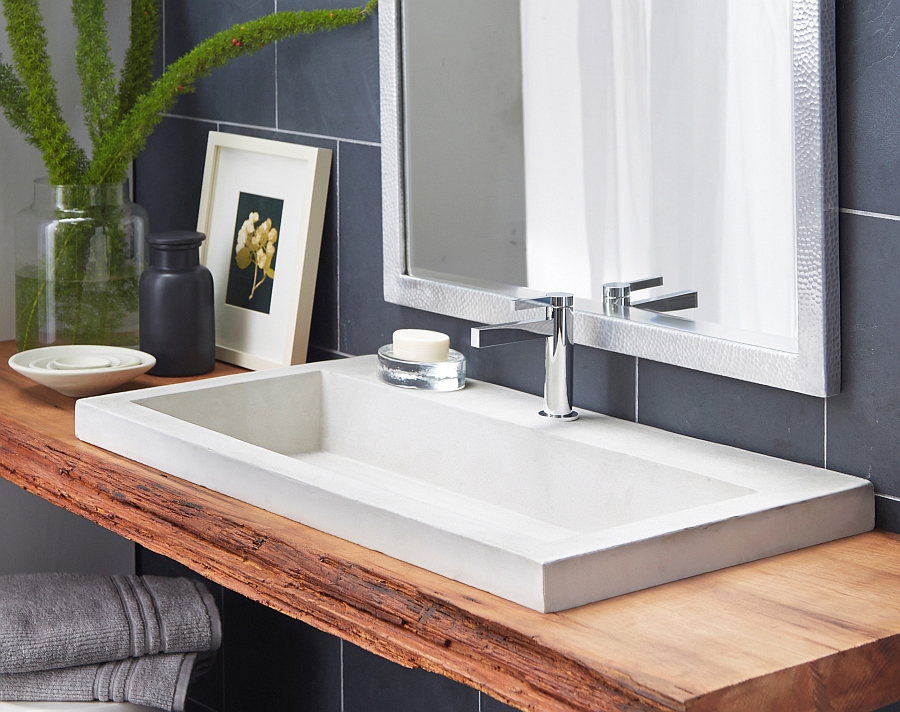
[{"x": 474, "y": 485}]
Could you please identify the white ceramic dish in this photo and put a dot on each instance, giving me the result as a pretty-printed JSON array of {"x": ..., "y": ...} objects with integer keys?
[{"x": 82, "y": 370}]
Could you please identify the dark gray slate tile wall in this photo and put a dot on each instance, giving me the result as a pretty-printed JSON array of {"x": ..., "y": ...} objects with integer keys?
[
  {"x": 323, "y": 90},
  {"x": 381, "y": 686}
]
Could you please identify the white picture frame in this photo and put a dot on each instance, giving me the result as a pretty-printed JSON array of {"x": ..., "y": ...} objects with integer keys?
[{"x": 255, "y": 175}]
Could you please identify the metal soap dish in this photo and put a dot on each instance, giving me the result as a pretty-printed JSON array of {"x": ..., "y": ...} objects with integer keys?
[{"x": 449, "y": 375}]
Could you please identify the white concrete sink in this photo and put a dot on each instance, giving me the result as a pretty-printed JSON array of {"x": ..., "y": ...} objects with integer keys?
[{"x": 474, "y": 484}]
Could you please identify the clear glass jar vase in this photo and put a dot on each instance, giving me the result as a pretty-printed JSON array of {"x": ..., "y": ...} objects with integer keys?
[{"x": 79, "y": 256}]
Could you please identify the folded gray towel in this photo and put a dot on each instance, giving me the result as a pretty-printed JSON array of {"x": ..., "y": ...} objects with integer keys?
[
  {"x": 155, "y": 680},
  {"x": 50, "y": 621}
]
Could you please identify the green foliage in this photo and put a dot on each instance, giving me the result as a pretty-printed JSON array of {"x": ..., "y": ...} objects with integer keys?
[
  {"x": 64, "y": 159},
  {"x": 137, "y": 75},
  {"x": 119, "y": 119},
  {"x": 95, "y": 67},
  {"x": 14, "y": 102},
  {"x": 89, "y": 283},
  {"x": 128, "y": 138}
]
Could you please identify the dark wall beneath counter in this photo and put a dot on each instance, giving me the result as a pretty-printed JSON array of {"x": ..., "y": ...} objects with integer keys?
[{"x": 323, "y": 90}]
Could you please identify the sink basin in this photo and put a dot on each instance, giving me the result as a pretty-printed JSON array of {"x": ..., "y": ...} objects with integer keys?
[{"x": 474, "y": 485}]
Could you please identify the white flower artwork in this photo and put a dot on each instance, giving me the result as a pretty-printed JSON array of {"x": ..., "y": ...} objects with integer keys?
[
  {"x": 256, "y": 246},
  {"x": 252, "y": 270}
]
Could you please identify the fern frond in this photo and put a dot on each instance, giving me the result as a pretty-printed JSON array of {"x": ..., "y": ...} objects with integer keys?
[
  {"x": 137, "y": 74},
  {"x": 14, "y": 103},
  {"x": 128, "y": 138},
  {"x": 64, "y": 159},
  {"x": 95, "y": 67},
  {"x": 119, "y": 122}
]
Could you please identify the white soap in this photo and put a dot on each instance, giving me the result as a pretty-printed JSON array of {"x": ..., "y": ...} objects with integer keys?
[{"x": 421, "y": 345}]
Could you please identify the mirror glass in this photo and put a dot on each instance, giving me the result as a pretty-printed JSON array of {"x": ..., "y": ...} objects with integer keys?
[{"x": 563, "y": 144}]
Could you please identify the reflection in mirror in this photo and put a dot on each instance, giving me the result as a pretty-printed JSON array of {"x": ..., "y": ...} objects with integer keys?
[{"x": 564, "y": 144}]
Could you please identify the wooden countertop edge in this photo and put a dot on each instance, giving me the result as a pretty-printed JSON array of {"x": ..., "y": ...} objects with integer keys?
[
  {"x": 862, "y": 679},
  {"x": 359, "y": 595},
  {"x": 366, "y": 605}
]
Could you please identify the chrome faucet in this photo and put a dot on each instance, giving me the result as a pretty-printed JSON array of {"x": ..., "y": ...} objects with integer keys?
[
  {"x": 556, "y": 328},
  {"x": 617, "y": 297}
]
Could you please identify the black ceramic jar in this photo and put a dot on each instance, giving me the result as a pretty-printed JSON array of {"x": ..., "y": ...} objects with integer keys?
[{"x": 178, "y": 323}]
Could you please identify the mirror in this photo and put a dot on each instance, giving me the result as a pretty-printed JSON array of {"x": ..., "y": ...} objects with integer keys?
[{"x": 560, "y": 145}]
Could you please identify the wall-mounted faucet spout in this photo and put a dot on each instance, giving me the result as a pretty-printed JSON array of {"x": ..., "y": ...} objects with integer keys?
[{"x": 557, "y": 329}]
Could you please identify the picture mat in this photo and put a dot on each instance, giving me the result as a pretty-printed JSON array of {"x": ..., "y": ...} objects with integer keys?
[{"x": 285, "y": 178}]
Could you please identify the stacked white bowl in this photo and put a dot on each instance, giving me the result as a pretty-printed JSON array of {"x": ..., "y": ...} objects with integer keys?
[{"x": 82, "y": 370}]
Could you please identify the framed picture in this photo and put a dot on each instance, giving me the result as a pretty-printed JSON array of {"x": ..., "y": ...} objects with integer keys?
[{"x": 261, "y": 209}]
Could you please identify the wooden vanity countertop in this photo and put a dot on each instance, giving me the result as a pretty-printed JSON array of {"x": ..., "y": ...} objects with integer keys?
[{"x": 813, "y": 630}]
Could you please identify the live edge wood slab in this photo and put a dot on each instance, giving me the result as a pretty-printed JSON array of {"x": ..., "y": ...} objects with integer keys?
[{"x": 817, "y": 629}]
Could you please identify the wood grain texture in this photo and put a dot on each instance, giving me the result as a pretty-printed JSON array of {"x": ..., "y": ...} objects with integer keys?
[{"x": 817, "y": 629}]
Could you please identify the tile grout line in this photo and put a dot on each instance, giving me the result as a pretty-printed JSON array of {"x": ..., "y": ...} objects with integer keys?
[
  {"x": 287, "y": 132},
  {"x": 276, "y": 76},
  {"x": 479, "y": 700},
  {"x": 222, "y": 650},
  {"x": 276, "y": 80},
  {"x": 201, "y": 121},
  {"x": 335, "y": 352},
  {"x": 164, "y": 35},
  {"x": 636, "y": 374},
  {"x": 337, "y": 239},
  {"x": 341, "y": 640},
  {"x": 868, "y": 214}
]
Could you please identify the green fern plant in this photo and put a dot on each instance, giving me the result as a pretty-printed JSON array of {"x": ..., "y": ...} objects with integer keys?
[
  {"x": 120, "y": 116},
  {"x": 119, "y": 119}
]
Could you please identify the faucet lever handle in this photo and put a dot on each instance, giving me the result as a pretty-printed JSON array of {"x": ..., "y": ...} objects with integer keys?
[
  {"x": 553, "y": 300},
  {"x": 647, "y": 283}
]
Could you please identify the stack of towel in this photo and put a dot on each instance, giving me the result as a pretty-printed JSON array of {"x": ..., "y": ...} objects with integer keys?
[{"x": 67, "y": 637}]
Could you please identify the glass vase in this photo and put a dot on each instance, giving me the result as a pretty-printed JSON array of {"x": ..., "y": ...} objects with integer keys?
[{"x": 79, "y": 257}]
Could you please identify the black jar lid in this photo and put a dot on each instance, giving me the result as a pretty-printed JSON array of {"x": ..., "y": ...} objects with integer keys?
[{"x": 176, "y": 240}]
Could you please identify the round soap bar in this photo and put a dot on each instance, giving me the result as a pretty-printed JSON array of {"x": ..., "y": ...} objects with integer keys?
[{"x": 421, "y": 345}]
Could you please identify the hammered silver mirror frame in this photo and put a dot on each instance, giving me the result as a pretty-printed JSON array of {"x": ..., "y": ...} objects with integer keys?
[{"x": 814, "y": 370}]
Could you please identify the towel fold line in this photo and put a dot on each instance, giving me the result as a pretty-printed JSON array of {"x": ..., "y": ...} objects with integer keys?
[
  {"x": 120, "y": 674},
  {"x": 159, "y": 618},
  {"x": 132, "y": 616},
  {"x": 154, "y": 634}
]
